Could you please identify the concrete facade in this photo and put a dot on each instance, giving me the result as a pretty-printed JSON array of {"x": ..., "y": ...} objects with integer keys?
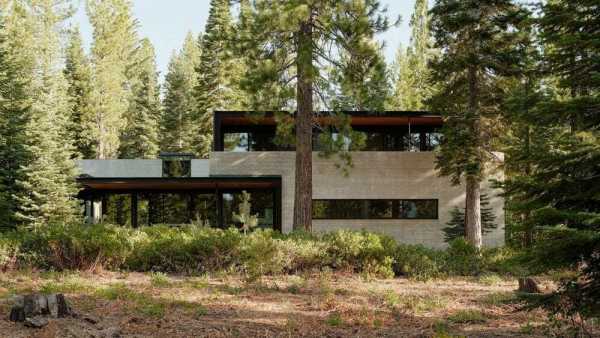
[{"x": 375, "y": 175}]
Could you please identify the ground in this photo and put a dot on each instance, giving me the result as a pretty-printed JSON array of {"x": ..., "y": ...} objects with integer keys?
[{"x": 317, "y": 305}]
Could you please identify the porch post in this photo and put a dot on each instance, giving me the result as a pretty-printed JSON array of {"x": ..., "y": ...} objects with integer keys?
[{"x": 134, "y": 210}]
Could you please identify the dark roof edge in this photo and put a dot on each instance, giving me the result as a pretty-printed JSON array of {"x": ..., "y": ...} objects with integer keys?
[{"x": 392, "y": 113}]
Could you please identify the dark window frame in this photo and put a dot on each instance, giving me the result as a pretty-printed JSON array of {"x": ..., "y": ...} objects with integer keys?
[{"x": 395, "y": 204}]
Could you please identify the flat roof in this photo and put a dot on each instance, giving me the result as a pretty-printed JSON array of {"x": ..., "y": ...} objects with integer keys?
[
  {"x": 357, "y": 118},
  {"x": 127, "y": 184}
]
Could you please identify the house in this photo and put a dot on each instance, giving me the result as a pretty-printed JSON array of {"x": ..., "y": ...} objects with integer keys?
[{"x": 393, "y": 186}]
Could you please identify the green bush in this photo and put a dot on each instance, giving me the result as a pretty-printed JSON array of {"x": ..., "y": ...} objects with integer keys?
[
  {"x": 463, "y": 259},
  {"x": 418, "y": 262},
  {"x": 10, "y": 250},
  {"x": 195, "y": 250},
  {"x": 361, "y": 251}
]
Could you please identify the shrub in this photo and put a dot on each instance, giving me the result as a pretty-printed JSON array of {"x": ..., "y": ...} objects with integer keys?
[
  {"x": 64, "y": 246},
  {"x": 418, "y": 262},
  {"x": 10, "y": 250},
  {"x": 463, "y": 259},
  {"x": 361, "y": 251}
]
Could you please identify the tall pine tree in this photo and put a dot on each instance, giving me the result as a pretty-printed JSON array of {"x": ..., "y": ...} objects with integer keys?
[
  {"x": 16, "y": 62},
  {"x": 178, "y": 126},
  {"x": 216, "y": 88},
  {"x": 115, "y": 42},
  {"x": 139, "y": 138},
  {"x": 412, "y": 74},
  {"x": 49, "y": 187},
  {"x": 478, "y": 40},
  {"x": 78, "y": 73}
]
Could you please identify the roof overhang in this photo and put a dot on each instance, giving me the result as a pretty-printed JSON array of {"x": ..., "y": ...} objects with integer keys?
[{"x": 178, "y": 184}]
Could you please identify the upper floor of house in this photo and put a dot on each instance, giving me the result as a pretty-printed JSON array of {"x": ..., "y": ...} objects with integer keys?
[{"x": 236, "y": 131}]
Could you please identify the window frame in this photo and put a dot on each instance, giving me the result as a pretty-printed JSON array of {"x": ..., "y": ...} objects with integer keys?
[{"x": 395, "y": 204}]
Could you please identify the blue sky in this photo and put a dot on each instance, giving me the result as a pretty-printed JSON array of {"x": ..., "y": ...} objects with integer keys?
[{"x": 166, "y": 23}]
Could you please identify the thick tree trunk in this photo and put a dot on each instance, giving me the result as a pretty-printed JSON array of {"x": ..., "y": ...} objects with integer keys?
[
  {"x": 304, "y": 96},
  {"x": 473, "y": 193},
  {"x": 473, "y": 212}
]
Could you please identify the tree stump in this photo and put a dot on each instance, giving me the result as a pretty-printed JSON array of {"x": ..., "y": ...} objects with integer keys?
[
  {"x": 30, "y": 306},
  {"x": 529, "y": 285}
]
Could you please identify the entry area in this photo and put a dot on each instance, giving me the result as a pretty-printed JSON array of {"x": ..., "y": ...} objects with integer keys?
[{"x": 211, "y": 201}]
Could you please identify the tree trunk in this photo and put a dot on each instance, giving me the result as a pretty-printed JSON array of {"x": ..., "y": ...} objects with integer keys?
[
  {"x": 304, "y": 96},
  {"x": 473, "y": 212},
  {"x": 473, "y": 193}
]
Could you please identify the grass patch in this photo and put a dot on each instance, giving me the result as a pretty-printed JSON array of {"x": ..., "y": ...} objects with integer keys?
[
  {"x": 160, "y": 280},
  {"x": 334, "y": 319},
  {"x": 500, "y": 298},
  {"x": 468, "y": 317},
  {"x": 490, "y": 279},
  {"x": 74, "y": 285},
  {"x": 117, "y": 291}
]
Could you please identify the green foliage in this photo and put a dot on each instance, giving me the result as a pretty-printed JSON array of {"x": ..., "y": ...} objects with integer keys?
[
  {"x": 456, "y": 226},
  {"x": 245, "y": 217},
  {"x": 78, "y": 72},
  {"x": 115, "y": 41},
  {"x": 468, "y": 317},
  {"x": 418, "y": 262},
  {"x": 463, "y": 259},
  {"x": 412, "y": 74},
  {"x": 139, "y": 137},
  {"x": 178, "y": 124},
  {"x": 48, "y": 185}
]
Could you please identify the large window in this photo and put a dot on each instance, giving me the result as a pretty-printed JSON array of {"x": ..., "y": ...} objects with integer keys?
[
  {"x": 262, "y": 204},
  {"x": 375, "y": 209}
]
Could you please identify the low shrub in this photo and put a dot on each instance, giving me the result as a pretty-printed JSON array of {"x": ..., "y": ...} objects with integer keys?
[
  {"x": 197, "y": 250},
  {"x": 463, "y": 259},
  {"x": 10, "y": 251},
  {"x": 418, "y": 262}
]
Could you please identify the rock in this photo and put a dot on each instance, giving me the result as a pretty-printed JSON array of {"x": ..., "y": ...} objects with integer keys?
[
  {"x": 63, "y": 308},
  {"x": 36, "y": 322},
  {"x": 529, "y": 285},
  {"x": 33, "y": 305}
]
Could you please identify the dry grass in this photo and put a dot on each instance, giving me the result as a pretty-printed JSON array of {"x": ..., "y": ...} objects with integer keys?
[{"x": 322, "y": 304}]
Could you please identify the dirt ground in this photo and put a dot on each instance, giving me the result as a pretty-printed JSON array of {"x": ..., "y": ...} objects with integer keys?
[{"x": 316, "y": 305}]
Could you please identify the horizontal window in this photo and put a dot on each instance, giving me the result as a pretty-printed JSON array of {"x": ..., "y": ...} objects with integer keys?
[{"x": 375, "y": 209}]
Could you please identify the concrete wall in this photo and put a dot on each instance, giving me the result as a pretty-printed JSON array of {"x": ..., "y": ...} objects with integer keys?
[
  {"x": 393, "y": 175},
  {"x": 120, "y": 168},
  {"x": 134, "y": 168}
]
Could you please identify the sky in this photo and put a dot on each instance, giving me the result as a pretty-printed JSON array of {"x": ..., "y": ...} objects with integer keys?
[{"x": 166, "y": 23}]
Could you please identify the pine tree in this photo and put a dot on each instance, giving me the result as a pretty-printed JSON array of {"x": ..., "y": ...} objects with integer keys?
[
  {"x": 456, "y": 226},
  {"x": 78, "y": 73},
  {"x": 15, "y": 62},
  {"x": 115, "y": 41},
  {"x": 177, "y": 124},
  {"x": 289, "y": 39},
  {"x": 412, "y": 74},
  {"x": 139, "y": 138},
  {"x": 478, "y": 40},
  {"x": 215, "y": 89},
  {"x": 49, "y": 187}
]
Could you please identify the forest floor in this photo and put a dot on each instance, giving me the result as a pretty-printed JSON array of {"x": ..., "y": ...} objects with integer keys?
[{"x": 317, "y": 305}]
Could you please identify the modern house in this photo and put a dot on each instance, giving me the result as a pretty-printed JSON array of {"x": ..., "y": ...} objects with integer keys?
[{"x": 393, "y": 186}]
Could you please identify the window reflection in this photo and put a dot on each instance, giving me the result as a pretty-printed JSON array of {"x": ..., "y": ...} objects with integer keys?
[
  {"x": 375, "y": 209},
  {"x": 262, "y": 204}
]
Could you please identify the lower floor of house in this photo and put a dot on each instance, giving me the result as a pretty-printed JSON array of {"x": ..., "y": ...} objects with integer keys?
[{"x": 207, "y": 202}]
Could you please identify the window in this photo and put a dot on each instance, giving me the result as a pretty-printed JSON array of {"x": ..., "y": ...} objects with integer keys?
[
  {"x": 236, "y": 142},
  {"x": 262, "y": 204},
  {"x": 177, "y": 168},
  {"x": 375, "y": 209}
]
